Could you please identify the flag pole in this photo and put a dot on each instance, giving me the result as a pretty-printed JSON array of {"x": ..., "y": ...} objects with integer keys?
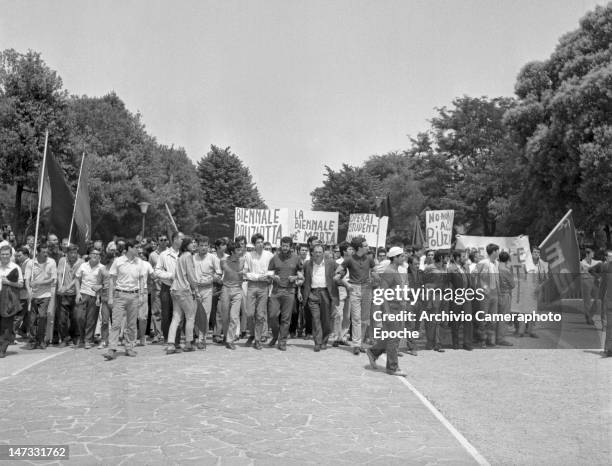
[
  {"x": 556, "y": 226},
  {"x": 76, "y": 198},
  {"x": 171, "y": 219},
  {"x": 40, "y": 191}
]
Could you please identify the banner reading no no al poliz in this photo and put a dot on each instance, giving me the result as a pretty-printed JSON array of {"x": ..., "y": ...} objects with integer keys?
[{"x": 439, "y": 227}]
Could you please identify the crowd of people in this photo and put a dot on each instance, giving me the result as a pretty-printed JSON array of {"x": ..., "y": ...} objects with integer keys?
[{"x": 183, "y": 288}]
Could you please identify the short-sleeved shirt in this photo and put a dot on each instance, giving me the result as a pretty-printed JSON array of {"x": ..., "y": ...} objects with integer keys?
[
  {"x": 89, "y": 277},
  {"x": 128, "y": 274},
  {"x": 204, "y": 268},
  {"x": 232, "y": 266},
  {"x": 285, "y": 266},
  {"x": 359, "y": 268},
  {"x": 36, "y": 271}
]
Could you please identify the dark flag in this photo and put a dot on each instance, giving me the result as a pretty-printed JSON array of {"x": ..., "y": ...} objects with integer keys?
[
  {"x": 560, "y": 250},
  {"x": 383, "y": 207},
  {"x": 82, "y": 212},
  {"x": 56, "y": 200}
]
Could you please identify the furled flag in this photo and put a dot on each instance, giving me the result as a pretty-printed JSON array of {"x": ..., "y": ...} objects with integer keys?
[
  {"x": 82, "y": 212},
  {"x": 56, "y": 200}
]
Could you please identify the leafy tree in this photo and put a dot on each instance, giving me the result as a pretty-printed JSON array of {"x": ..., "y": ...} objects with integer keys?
[
  {"x": 225, "y": 184},
  {"x": 563, "y": 123},
  {"x": 349, "y": 190},
  {"x": 31, "y": 102}
]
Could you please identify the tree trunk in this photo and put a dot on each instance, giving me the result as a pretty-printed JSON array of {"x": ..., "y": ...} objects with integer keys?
[{"x": 17, "y": 223}]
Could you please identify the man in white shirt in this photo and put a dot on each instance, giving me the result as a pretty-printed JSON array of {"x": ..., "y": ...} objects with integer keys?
[
  {"x": 488, "y": 280},
  {"x": 89, "y": 279},
  {"x": 164, "y": 270},
  {"x": 40, "y": 279},
  {"x": 206, "y": 274},
  {"x": 11, "y": 279},
  {"x": 256, "y": 265},
  {"x": 125, "y": 296}
]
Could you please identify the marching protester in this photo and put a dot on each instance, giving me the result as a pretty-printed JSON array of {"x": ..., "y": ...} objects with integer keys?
[
  {"x": 156, "y": 312},
  {"x": 487, "y": 275},
  {"x": 460, "y": 279},
  {"x": 164, "y": 271},
  {"x": 22, "y": 257},
  {"x": 321, "y": 294},
  {"x": 231, "y": 294},
  {"x": 183, "y": 292},
  {"x": 66, "y": 325},
  {"x": 89, "y": 278},
  {"x": 40, "y": 280},
  {"x": 256, "y": 265},
  {"x": 125, "y": 296},
  {"x": 287, "y": 270},
  {"x": 360, "y": 267},
  {"x": 205, "y": 274},
  {"x": 506, "y": 285},
  {"x": 216, "y": 315},
  {"x": 342, "y": 317},
  {"x": 589, "y": 286},
  {"x": 604, "y": 270},
  {"x": 11, "y": 279},
  {"x": 105, "y": 310},
  {"x": 390, "y": 279}
]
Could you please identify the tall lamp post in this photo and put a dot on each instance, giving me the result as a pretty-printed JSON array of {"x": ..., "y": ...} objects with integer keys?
[{"x": 143, "y": 209}]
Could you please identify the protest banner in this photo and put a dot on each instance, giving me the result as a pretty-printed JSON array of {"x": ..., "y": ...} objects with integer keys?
[
  {"x": 516, "y": 246},
  {"x": 368, "y": 226},
  {"x": 439, "y": 228},
  {"x": 307, "y": 223},
  {"x": 273, "y": 224}
]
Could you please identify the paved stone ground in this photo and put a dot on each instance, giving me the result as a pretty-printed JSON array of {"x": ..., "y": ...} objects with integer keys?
[
  {"x": 222, "y": 407},
  {"x": 299, "y": 407}
]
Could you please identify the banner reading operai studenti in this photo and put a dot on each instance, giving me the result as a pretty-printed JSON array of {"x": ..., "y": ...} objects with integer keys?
[
  {"x": 368, "y": 226},
  {"x": 516, "y": 246},
  {"x": 307, "y": 223},
  {"x": 273, "y": 224},
  {"x": 439, "y": 228}
]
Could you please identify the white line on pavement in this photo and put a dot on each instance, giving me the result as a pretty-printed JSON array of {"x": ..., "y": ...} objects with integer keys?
[
  {"x": 460, "y": 438},
  {"x": 35, "y": 363}
]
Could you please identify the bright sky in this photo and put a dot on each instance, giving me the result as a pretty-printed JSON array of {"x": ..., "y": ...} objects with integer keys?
[{"x": 290, "y": 85}]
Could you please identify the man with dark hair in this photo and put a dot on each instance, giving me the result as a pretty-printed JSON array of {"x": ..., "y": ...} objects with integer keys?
[
  {"x": 216, "y": 314},
  {"x": 435, "y": 279},
  {"x": 589, "y": 286},
  {"x": 301, "y": 319},
  {"x": 231, "y": 295},
  {"x": 256, "y": 265},
  {"x": 487, "y": 276},
  {"x": 204, "y": 263},
  {"x": 89, "y": 277},
  {"x": 342, "y": 316},
  {"x": 285, "y": 269},
  {"x": 22, "y": 257},
  {"x": 390, "y": 280},
  {"x": 460, "y": 279},
  {"x": 321, "y": 294},
  {"x": 40, "y": 279},
  {"x": 66, "y": 323},
  {"x": 604, "y": 271},
  {"x": 164, "y": 270},
  {"x": 125, "y": 296},
  {"x": 11, "y": 280},
  {"x": 361, "y": 273},
  {"x": 156, "y": 312},
  {"x": 506, "y": 284}
]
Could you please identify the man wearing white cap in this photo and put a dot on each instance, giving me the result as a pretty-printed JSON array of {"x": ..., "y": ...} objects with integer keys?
[{"x": 390, "y": 279}]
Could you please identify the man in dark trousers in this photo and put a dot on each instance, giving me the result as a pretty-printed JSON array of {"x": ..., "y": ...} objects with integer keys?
[
  {"x": 391, "y": 279},
  {"x": 321, "y": 294},
  {"x": 604, "y": 271},
  {"x": 460, "y": 279}
]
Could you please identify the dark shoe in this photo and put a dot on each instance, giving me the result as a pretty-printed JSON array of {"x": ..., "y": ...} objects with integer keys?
[
  {"x": 188, "y": 348},
  {"x": 362, "y": 349},
  {"x": 257, "y": 345},
  {"x": 438, "y": 349},
  {"x": 467, "y": 347},
  {"x": 263, "y": 339},
  {"x": 398, "y": 372},
  {"x": 534, "y": 335},
  {"x": 317, "y": 348},
  {"x": 343, "y": 343},
  {"x": 491, "y": 344},
  {"x": 131, "y": 353},
  {"x": 356, "y": 350},
  {"x": 62, "y": 344},
  {"x": 30, "y": 346},
  {"x": 505, "y": 343},
  {"x": 589, "y": 320},
  {"x": 217, "y": 339},
  {"x": 483, "y": 344},
  {"x": 413, "y": 352},
  {"x": 282, "y": 347},
  {"x": 307, "y": 336},
  {"x": 372, "y": 359},
  {"x": 607, "y": 354},
  {"x": 230, "y": 346},
  {"x": 42, "y": 345},
  {"x": 110, "y": 355},
  {"x": 2, "y": 354},
  {"x": 249, "y": 342},
  {"x": 324, "y": 346},
  {"x": 292, "y": 335},
  {"x": 335, "y": 344},
  {"x": 171, "y": 350},
  {"x": 242, "y": 335},
  {"x": 272, "y": 343},
  {"x": 455, "y": 345},
  {"x": 201, "y": 345}
]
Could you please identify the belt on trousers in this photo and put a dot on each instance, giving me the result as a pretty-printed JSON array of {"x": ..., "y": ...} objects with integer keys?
[
  {"x": 318, "y": 289},
  {"x": 127, "y": 291}
]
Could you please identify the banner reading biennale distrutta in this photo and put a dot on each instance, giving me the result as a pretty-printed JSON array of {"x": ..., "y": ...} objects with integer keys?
[
  {"x": 307, "y": 223},
  {"x": 273, "y": 224},
  {"x": 368, "y": 226}
]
